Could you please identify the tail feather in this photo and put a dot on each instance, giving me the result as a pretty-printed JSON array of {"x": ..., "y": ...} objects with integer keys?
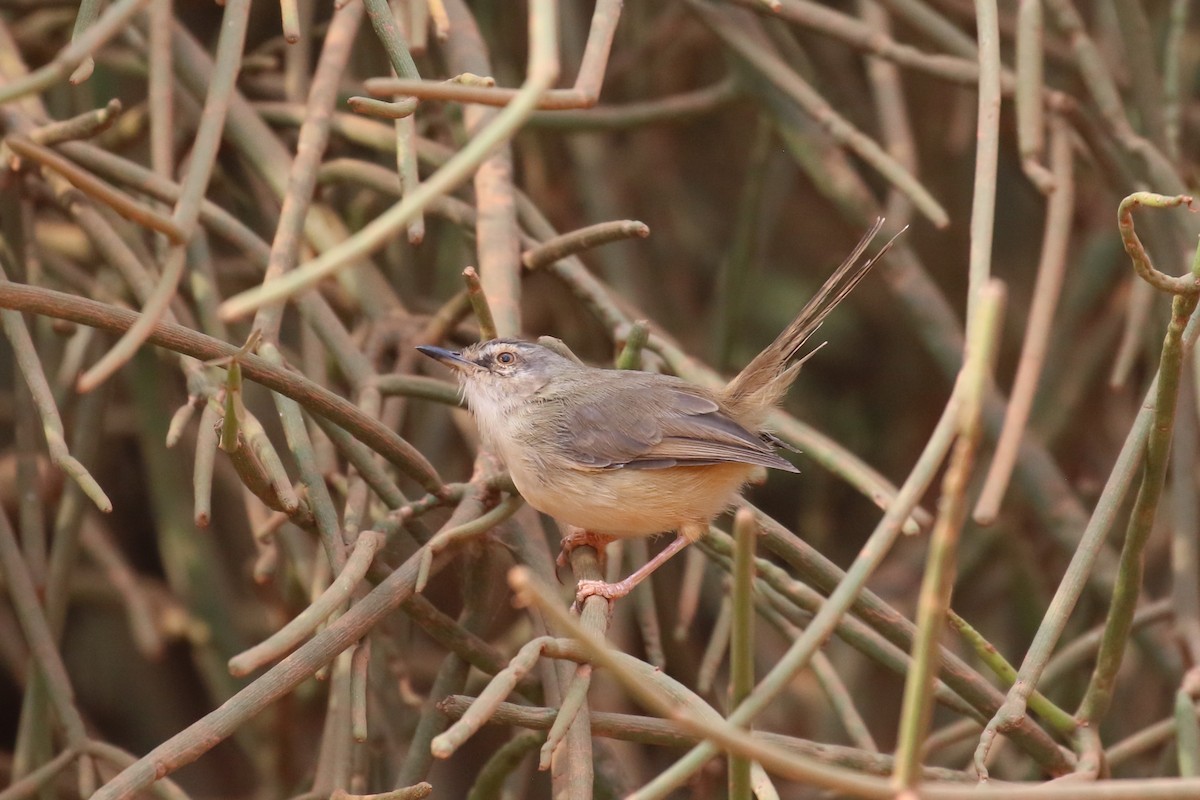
[{"x": 762, "y": 384}]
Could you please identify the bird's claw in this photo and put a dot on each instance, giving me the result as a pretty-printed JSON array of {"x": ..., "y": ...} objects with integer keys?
[
  {"x": 593, "y": 588},
  {"x": 579, "y": 537}
]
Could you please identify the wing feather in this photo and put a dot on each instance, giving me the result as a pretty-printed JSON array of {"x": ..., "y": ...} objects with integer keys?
[{"x": 675, "y": 424}]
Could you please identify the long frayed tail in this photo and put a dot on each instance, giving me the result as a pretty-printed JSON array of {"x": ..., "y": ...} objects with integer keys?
[{"x": 760, "y": 386}]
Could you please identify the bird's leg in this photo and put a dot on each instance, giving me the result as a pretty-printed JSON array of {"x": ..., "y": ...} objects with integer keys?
[
  {"x": 580, "y": 537},
  {"x": 612, "y": 591}
]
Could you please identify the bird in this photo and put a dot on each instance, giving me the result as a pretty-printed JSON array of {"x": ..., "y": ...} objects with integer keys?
[{"x": 624, "y": 453}]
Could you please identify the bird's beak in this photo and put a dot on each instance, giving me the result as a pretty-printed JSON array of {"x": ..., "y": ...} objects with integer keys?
[{"x": 449, "y": 358}]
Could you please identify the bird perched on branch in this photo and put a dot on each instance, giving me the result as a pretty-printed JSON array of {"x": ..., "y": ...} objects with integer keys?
[{"x": 620, "y": 453}]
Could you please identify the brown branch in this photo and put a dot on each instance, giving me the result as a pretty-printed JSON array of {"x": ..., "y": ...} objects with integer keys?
[
  {"x": 92, "y": 186},
  {"x": 176, "y": 338},
  {"x": 584, "y": 94}
]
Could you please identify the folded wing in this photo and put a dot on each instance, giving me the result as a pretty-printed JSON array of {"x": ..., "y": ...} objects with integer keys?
[{"x": 644, "y": 421}]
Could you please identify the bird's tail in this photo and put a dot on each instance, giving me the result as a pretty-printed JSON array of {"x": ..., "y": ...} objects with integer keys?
[{"x": 761, "y": 385}]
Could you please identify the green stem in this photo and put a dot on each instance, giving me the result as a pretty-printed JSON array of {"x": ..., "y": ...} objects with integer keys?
[
  {"x": 741, "y": 640},
  {"x": 1129, "y": 574}
]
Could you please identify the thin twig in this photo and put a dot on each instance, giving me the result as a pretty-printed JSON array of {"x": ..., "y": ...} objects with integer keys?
[
  {"x": 583, "y": 239},
  {"x": 174, "y": 337},
  {"x": 1052, "y": 268},
  {"x": 741, "y": 642},
  {"x": 480, "y": 305},
  {"x": 584, "y": 94},
  {"x": 938, "y": 583},
  {"x": 543, "y": 69},
  {"x": 1098, "y": 697},
  {"x": 91, "y": 186},
  {"x": 776, "y": 70},
  {"x": 226, "y": 63},
  {"x": 106, "y": 26},
  {"x": 306, "y": 622}
]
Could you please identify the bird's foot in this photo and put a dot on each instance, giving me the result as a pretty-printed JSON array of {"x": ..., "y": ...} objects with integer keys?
[
  {"x": 579, "y": 537},
  {"x": 609, "y": 591},
  {"x": 612, "y": 591}
]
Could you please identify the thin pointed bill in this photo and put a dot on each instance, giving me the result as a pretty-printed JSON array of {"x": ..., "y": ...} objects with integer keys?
[{"x": 449, "y": 358}]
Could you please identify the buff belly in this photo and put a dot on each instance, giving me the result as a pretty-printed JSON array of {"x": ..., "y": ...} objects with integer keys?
[{"x": 634, "y": 502}]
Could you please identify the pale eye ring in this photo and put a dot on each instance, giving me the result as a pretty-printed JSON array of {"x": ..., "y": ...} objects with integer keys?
[{"x": 506, "y": 358}]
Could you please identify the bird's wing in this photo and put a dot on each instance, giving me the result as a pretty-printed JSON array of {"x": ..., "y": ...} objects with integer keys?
[{"x": 653, "y": 422}]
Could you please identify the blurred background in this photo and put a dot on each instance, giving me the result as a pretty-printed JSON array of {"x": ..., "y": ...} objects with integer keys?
[{"x": 757, "y": 143}]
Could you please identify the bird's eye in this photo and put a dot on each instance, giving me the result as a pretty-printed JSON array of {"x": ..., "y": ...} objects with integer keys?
[{"x": 506, "y": 358}]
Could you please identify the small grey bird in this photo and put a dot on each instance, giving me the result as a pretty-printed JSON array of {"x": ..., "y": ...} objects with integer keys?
[{"x": 619, "y": 453}]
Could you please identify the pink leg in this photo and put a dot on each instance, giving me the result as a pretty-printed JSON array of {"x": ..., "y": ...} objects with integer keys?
[{"x": 621, "y": 588}]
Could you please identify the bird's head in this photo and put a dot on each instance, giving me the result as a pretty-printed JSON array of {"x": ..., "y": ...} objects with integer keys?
[{"x": 502, "y": 371}]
